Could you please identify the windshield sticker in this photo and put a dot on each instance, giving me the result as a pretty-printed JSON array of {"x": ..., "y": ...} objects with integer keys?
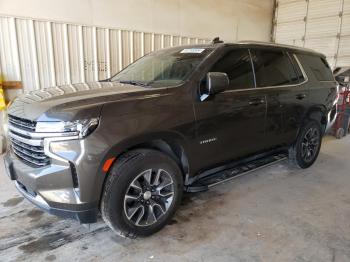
[{"x": 192, "y": 51}]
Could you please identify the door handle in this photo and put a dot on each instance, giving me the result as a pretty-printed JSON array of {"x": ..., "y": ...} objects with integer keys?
[
  {"x": 300, "y": 96},
  {"x": 255, "y": 102}
]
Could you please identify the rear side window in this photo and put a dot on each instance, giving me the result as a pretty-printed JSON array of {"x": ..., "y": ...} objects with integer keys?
[
  {"x": 273, "y": 68},
  {"x": 298, "y": 71},
  {"x": 318, "y": 66},
  {"x": 238, "y": 67}
]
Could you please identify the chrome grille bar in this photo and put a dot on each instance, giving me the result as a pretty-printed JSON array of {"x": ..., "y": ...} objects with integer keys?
[
  {"x": 27, "y": 145},
  {"x": 32, "y": 142},
  {"x": 38, "y": 135},
  {"x": 26, "y": 124},
  {"x": 32, "y": 148},
  {"x": 31, "y": 161},
  {"x": 29, "y": 153}
]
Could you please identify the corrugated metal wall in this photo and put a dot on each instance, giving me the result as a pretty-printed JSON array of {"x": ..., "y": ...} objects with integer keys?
[
  {"x": 47, "y": 53},
  {"x": 323, "y": 25}
]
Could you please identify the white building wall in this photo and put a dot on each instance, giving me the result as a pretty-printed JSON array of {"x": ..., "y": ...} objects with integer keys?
[
  {"x": 230, "y": 19},
  {"x": 323, "y": 25},
  {"x": 44, "y": 53},
  {"x": 48, "y": 42}
]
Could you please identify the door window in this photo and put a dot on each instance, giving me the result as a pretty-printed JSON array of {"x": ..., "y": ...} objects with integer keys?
[
  {"x": 238, "y": 67},
  {"x": 273, "y": 68},
  {"x": 318, "y": 66},
  {"x": 297, "y": 69}
]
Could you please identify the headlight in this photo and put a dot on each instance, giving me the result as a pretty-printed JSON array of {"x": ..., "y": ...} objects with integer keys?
[{"x": 81, "y": 128}]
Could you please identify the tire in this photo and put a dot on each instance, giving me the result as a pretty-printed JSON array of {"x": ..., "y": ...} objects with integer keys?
[
  {"x": 304, "y": 152},
  {"x": 340, "y": 133},
  {"x": 133, "y": 202}
]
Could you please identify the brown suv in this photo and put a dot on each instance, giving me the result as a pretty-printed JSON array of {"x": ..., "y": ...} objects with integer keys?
[{"x": 183, "y": 118}]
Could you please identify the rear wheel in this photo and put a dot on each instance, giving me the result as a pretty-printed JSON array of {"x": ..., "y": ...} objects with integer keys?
[
  {"x": 305, "y": 150},
  {"x": 142, "y": 192}
]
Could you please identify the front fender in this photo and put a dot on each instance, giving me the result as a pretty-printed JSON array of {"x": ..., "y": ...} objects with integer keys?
[{"x": 137, "y": 141}]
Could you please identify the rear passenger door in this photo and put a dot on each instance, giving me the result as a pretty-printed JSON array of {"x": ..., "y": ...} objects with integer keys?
[{"x": 282, "y": 81}]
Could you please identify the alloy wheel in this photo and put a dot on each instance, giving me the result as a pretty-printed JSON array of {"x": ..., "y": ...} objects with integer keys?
[
  {"x": 310, "y": 144},
  {"x": 149, "y": 197}
]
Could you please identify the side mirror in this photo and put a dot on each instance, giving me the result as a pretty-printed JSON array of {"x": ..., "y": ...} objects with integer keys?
[{"x": 217, "y": 82}]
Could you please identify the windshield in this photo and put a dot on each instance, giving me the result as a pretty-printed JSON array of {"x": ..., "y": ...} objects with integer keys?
[{"x": 164, "y": 68}]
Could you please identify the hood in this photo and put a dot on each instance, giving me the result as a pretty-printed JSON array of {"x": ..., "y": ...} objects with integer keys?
[{"x": 70, "y": 102}]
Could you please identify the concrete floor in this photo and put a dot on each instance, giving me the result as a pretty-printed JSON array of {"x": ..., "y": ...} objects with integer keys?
[{"x": 275, "y": 214}]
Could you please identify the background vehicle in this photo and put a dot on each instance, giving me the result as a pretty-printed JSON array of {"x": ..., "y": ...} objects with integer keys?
[
  {"x": 184, "y": 118},
  {"x": 341, "y": 125}
]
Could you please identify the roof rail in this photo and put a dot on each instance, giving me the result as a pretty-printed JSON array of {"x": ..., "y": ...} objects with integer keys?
[{"x": 277, "y": 45}]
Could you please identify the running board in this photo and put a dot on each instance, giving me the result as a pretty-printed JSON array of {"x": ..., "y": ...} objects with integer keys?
[{"x": 220, "y": 177}]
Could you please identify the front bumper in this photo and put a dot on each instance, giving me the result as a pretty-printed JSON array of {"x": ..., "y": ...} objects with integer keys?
[{"x": 51, "y": 188}]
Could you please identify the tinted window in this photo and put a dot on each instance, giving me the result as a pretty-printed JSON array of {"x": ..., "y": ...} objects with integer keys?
[
  {"x": 237, "y": 65},
  {"x": 297, "y": 69},
  {"x": 318, "y": 66},
  {"x": 273, "y": 68}
]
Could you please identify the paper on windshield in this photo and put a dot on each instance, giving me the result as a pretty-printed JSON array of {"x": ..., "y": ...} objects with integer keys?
[{"x": 192, "y": 50}]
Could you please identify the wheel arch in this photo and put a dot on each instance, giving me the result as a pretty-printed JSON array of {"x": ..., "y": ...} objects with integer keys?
[
  {"x": 319, "y": 114},
  {"x": 171, "y": 144}
]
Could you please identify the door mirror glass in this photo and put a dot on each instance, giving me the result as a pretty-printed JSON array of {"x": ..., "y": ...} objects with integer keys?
[{"x": 216, "y": 82}]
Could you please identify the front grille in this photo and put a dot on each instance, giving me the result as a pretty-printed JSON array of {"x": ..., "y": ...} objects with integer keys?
[
  {"x": 29, "y": 150},
  {"x": 22, "y": 123}
]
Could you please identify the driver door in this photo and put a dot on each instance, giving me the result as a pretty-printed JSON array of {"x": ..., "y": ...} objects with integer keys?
[{"x": 231, "y": 124}]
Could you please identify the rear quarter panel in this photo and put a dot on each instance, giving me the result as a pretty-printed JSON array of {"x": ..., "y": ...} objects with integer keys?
[{"x": 322, "y": 94}]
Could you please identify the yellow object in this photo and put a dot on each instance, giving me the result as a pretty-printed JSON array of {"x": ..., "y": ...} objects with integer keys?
[{"x": 2, "y": 97}]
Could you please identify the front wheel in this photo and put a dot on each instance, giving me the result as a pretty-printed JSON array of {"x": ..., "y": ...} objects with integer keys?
[
  {"x": 304, "y": 152},
  {"x": 142, "y": 192}
]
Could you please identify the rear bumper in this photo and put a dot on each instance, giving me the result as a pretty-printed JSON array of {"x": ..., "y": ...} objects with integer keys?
[{"x": 50, "y": 189}]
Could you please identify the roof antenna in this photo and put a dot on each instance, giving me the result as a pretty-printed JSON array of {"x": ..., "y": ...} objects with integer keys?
[{"x": 217, "y": 40}]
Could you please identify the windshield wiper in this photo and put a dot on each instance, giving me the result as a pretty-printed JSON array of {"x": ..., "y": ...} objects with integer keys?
[
  {"x": 105, "y": 80},
  {"x": 135, "y": 83}
]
